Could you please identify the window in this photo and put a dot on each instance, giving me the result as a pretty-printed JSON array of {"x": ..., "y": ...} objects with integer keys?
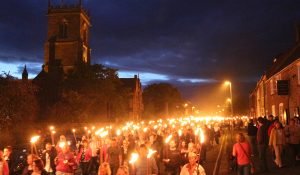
[
  {"x": 273, "y": 110},
  {"x": 63, "y": 29},
  {"x": 277, "y": 77},
  {"x": 281, "y": 112},
  {"x": 272, "y": 88}
]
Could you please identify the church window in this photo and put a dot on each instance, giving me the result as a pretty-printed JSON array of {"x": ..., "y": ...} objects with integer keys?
[{"x": 63, "y": 29}]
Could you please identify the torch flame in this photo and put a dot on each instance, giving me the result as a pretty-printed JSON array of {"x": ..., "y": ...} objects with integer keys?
[
  {"x": 201, "y": 135},
  {"x": 168, "y": 139},
  {"x": 134, "y": 158},
  {"x": 150, "y": 153},
  {"x": 62, "y": 144},
  {"x": 34, "y": 139}
]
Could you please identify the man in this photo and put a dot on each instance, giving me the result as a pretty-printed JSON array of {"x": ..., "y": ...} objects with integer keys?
[
  {"x": 262, "y": 141},
  {"x": 172, "y": 159},
  {"x": 95, "y": 147},
  {"x": 48, "y": 157},
  {"x": 9, "y": 156},
  {"x": 252, "y": 133},
  {"x": 114, "y": 156},
  {"x": 145, "y": 165},
  {"x": 192, "y": 168}
]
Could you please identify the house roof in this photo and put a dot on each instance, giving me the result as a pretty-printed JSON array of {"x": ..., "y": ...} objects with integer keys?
[
  {"x": 283, "y": 60},
  {"x": 129, "y": 82},
  {"x": 41, "y": 76}
]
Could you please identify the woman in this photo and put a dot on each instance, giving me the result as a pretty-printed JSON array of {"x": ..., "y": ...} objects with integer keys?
[
  {"x": 123, "y": 170},
  {"x": 192, "y": 168},
  {"x": 4, "y": 170},
  {"x": 84, "y": 156},
  {"x": 104, "y": 169},
  {"x": 292, "y": 132},
  {"x": 242, "y": 151},
  {"x": 29, "y": 169},
  {"x": 276, "y": 141},
  {"x": 65, "y": 161},
  {"x": 38, "y": 167}
]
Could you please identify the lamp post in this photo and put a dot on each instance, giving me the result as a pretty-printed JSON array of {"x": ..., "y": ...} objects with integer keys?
[{"x": 231, "y": 100}]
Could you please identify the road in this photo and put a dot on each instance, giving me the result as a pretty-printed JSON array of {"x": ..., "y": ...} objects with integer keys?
[{"x": 218, "y": 159}]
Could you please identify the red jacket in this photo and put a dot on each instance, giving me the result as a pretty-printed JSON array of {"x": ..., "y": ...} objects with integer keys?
[
  {"x": 87, "y": 157},
  {"x": 66, "y": 162}
]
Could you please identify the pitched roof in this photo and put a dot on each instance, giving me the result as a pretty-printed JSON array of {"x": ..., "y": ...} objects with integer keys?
[
  {"x": 283, "y": 60},
  {"x": 41, "y": 76},
  {"x": 129, "y": 82}
]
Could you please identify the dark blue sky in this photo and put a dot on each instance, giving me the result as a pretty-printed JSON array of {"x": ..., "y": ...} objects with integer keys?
[{"x": 193, "y": 44}]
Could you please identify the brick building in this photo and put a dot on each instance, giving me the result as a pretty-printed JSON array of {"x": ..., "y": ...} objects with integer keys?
[
  {"x": 278, "y": 91},
  {"x": 135, "y": 101}
]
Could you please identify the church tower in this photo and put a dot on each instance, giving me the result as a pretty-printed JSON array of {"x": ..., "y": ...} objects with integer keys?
[{"x": 68, "y": 36}]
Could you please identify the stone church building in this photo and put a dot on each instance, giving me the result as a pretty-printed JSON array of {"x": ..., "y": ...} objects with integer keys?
[{"x": 67, "y": 45}]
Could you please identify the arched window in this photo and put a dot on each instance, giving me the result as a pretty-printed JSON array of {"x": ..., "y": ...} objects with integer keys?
[{"x": 63, "y": 29}]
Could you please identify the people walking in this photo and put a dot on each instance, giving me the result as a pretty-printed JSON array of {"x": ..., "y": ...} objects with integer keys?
[
  {"x": 193, "y": 167},
  {"x": 262, "y": 141},
  {"x": 242, "y": 151},
  {"x": 252, "y": 132},
  {"x": 292, "y": 133},
  {"x": 277, "y": 141}
]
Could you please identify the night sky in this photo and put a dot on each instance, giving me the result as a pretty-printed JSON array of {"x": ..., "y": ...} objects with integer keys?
[{"x": 193, "y": 44}]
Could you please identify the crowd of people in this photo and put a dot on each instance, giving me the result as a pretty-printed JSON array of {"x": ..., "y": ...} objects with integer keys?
[
  {"x": 265, "y": 134},
  {"x": 171, "y": 147},
  {"x": 160, "y": 149}
]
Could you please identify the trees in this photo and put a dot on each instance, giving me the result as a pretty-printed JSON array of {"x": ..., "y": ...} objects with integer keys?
[
  {"x": 18, "y": 105},
  {"x": 18, "y": 101},
  {"x": 161, "y": 100},
  {"x": 90, "y": 93}
]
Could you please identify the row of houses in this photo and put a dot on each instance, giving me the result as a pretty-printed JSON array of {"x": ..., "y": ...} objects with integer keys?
[{"x": 277, "y": 92}]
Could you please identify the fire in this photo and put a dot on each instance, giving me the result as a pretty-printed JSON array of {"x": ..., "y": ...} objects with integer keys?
[{"x": 134, "y": 158}]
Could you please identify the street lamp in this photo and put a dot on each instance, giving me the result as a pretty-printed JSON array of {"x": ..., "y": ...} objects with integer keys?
[{"x": 228, "y": 83}]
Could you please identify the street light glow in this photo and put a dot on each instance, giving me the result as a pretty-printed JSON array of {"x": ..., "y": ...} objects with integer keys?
[
  {"x": 230, "y": 99},
  {"x": 227, "y": 83}
]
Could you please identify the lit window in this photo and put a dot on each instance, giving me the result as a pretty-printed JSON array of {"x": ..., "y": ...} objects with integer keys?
[
  {"x": 272, "y": 88},
  {"x": 273, "y": 110},
  {"x": 281, "y": 111}
]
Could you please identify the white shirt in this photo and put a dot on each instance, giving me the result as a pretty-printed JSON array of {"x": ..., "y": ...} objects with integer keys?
[
  {"x": 185, "y": 171},
  {"x": 47, "y": 164}
]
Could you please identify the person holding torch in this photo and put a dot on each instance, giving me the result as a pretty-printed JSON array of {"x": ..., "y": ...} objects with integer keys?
[
  {"x": 192, "y": 168},
  {"x": 146, "y": 164},
  {"x": 65, "y": 160},
  {"x": 171, "y": 159}
]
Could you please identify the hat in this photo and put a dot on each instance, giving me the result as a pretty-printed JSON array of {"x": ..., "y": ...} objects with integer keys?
[{"x": 192, "y": 154}]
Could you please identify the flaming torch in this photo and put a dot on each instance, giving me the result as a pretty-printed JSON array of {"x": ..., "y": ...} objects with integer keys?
[
  {"x": 52, "y": 132},
  {"x": 150, "y": 153},
  {"x": 168, "y": 139},
  {"x": 134, "y": 158},
  {"x": 74, "y": 135},
  {"x": 33, "y": 140}
]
